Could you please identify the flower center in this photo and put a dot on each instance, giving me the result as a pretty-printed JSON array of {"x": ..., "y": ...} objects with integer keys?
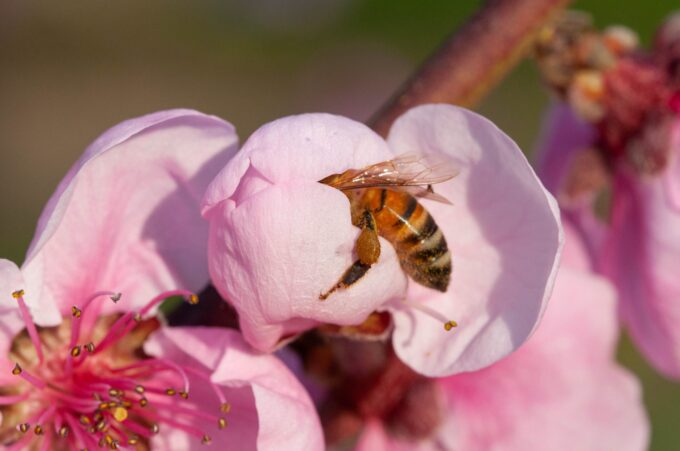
[{"x": 88, "y": 383}]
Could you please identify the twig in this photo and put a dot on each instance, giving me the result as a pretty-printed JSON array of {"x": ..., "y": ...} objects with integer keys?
[{"x": 474, "y": 58}]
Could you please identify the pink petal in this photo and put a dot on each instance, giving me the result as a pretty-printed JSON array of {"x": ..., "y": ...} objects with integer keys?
[
  {"x": 563, "y": 136},
  {"x": 11, "y": 323},
  {"x": 642, "y": 258},
  {"x": 269, "y": 406},
  {"x": 671, "y": 175},
  {"x": 504, "y": 234},
  {"x": 126, "y": 217},
  {"x": 374, "y": 438},
  {"x": 279, "y": 239},
  {"x": 561, "y": 390}
]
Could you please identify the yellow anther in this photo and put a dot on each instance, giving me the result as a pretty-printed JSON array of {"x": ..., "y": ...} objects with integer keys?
[
  {"x": 75, "y": 351},
  {"x": 18, "y": 294},
  {"x": 90, "y": 347},
  {"x": 98, "y": 417},
  {"x": 143, "y": 402},
  {"x": 193, "y": 299},
  {"x": 127, "y": 404},
  {"x": 450, "y": 325},
  {"x": 24, "y": 427},
  {"x": 155, "y": 428},
  {"x": 114, "y": 393},
  {"x": 184, "y": 395},
  {"x": 225, "y": 408},
  {"x": 120, "y": 414},
  {"x": 222, "y": 423},
  {"x": 113, "y": 444},
  {"x": 139, "y": 389},
  {"x": 76, "y": 312},
  {"x": 63, "y": 432},
  {"x": 133, "y": 440},
  {"x": 113, "y": 404},
  {"x": 17, "y": 369},
  {"x": 206, "y": 440},
  {"x": 171, "y": 392},
  {"x": 101, "y": 425},
  {"x": 38, "y": 430},
  {"x": 85, "y": 420},
  {"x": 103, "y": 406}
]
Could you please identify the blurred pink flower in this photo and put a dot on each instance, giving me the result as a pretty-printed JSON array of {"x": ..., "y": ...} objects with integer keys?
[
  {"x": 278, "y": 238},
  {"x": 561, "y": 390},
  {"x": 637, "y": 245},
  {"x": 126, "y": 220}
]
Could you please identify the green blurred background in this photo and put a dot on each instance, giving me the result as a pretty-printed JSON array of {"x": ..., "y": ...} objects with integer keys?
[{"x": 69, "y": 70}]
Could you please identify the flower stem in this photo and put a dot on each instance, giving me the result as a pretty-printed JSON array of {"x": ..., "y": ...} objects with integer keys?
[{"x": 473, "y": 59}]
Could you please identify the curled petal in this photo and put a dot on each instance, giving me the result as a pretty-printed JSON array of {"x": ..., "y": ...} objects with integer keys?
[
  {"x": 504, "y": 234},
  {"x": 279, "y": 239},
  {"x": 641, "y": 257},
  {"x": 126, "y": 217},
  {"x": 268, "y": 405}
]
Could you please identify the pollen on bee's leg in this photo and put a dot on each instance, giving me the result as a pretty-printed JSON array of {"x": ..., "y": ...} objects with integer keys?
[{"x": 449, "y": 324}]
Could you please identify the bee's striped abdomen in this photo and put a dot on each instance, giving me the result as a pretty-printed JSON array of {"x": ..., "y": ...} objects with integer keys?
[{"x": 419, "y": 242}]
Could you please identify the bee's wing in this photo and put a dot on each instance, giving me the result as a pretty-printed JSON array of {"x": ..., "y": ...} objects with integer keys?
[
  {"x": 425, "y": 192},
  {"x": 408, "y": 170}
]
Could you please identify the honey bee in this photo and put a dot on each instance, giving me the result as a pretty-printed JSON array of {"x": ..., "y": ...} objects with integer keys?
[{"x": 384, "y": 201}]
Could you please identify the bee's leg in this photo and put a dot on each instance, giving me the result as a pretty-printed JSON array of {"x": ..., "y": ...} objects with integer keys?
[{"x": 367, "y": 248}]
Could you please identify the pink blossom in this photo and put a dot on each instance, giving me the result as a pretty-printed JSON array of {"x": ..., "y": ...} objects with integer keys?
[
  {"x": 278, "y": 238},
  {"x": 561, "y": 390},
  {"x": 119, "y": 235},
  {"x": 636, "y": 244}
]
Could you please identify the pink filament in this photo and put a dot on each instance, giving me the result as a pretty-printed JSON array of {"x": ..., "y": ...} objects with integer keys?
[{"x": 30, "y": 326}]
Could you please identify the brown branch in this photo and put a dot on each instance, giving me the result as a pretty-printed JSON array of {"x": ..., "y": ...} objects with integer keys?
[{"x": 474, "y": 58}]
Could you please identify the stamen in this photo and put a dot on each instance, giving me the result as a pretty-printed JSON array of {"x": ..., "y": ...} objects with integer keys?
[
  {"x": 24, "y": 427},
  {"x": 8, "y": 400},
  {"x": 181, "y": 371},
  {"x": 30, "y": 325},
  {"x": 218, "y": 392},
  {"x": 124, "y": 321},
  {"x": 448, "y": 323},
  {"x": 36, "y": 382}
]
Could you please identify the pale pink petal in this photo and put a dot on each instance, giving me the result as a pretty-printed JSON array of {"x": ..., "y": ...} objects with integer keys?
[
  {"x": 374, "y": 438},
  {"x": 11, "y": 323},
  {"x": 504, "y": 234},
  {"x": 126, "y": 217},
  {"x": 279, "y": 239},
  {"x": 270, "y": 408},
  {"x": 574, "y": 254},
  {"x": 561, "y": 390},
  {"x": 641, "y": 258},
  {"x": 671, "y": 175},
  {"x": 563, "y": 135}
]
